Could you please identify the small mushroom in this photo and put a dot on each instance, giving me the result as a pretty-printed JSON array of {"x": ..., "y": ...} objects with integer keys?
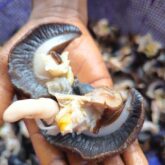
[
  {"x": 156, "y": 89},
  {"x": 154, "y": 67},
  {"x": 124, "y": 85},
  {"x": 148, "y": 46},
  {"x": 150, "y": 127}
]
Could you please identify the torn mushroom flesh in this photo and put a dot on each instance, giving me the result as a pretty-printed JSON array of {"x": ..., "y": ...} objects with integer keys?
[
  {"x": 53, "y": 70},
  {"x": 148, "y": 46},
  {"x": 82, "y": 113}
]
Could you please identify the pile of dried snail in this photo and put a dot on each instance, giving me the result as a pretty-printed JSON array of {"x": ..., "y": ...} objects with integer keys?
[{"x": 78, "y": 121}]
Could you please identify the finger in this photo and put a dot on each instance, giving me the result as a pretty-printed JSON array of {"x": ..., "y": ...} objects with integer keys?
[
  {"x": 86, "y": 60},
  {"x": 6, "y": 90},
  {"x": 31, "y": 108},
  {"x": 75, "y": 159},
  {"x": 114, "y": 160},
  {"x": 47, "y": 153},
  {"x": 134, "y": 155}
]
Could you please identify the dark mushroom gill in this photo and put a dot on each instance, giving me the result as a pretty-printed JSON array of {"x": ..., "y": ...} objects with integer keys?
[
  {"x": 21, "y": 69},
  {"x": 90, "y": 147}
]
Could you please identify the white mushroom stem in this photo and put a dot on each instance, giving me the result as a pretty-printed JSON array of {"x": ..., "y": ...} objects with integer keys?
[
  {"x": 43, "y": 108},
  {"x": 43, "y": 51}
]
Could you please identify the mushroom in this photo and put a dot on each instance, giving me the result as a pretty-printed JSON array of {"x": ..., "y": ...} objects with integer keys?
[
  {"x": 124, "y": 85},
  {"x": 148, "y": 46},
  {"x": 30, "y": 55},
  {"x": 156, "y": 89},
  {"x": 154, "y": 67},
  {"x": 41, "y": 75},
  {"x": 156, "y": 92}
]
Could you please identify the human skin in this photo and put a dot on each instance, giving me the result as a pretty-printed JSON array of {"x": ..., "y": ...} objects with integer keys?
[{"x": 82, "y": 51}]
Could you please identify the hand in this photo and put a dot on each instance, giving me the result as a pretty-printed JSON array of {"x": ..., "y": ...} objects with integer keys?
[{"x": 87, "y": 64}]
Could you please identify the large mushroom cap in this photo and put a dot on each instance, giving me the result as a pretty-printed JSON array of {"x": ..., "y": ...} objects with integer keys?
[
  {"x": 26, "y": 78},
  {"x": 36, "y": 43},
  {"x": 110, "y": 141}
]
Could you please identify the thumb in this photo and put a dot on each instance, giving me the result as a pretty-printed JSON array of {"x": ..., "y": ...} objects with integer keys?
[{"x": 6, "y": 90}]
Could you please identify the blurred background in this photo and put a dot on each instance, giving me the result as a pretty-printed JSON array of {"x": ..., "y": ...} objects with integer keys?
[{"x": 131, "y": 37}]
